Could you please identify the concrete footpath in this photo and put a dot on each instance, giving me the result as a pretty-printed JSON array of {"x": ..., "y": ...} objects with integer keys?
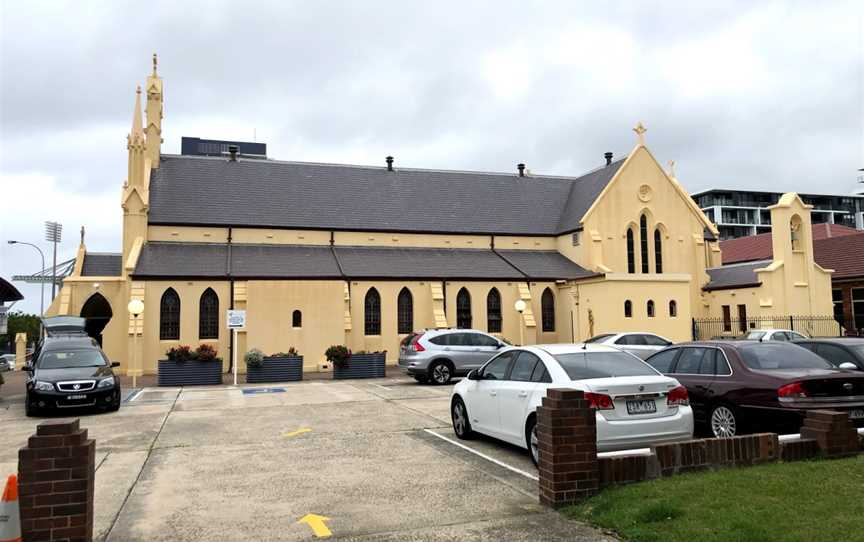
[{"x": 364, "y": 460}]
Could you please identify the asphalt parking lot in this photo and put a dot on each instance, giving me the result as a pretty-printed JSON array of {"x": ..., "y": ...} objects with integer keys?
[{"x": 376, "y": 458}]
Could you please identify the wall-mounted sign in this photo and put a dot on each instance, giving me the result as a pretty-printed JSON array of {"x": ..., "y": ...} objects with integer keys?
[
  {"x": 4, "y": 320},
  {"x": 236, "y": 319}
]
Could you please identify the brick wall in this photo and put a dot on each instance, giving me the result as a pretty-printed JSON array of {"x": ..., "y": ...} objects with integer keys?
[
  {"x": 56, "y": 475},
  {"x": 570, "y": 470}
]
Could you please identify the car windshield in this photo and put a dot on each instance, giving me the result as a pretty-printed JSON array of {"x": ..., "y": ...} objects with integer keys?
[
  {"x": 586, "y": 365},
  {"x": 858, "y": 349},
  {"x": 71, "y": 358},
  {"x": 755, "y": 335},
  {"x": 599, "y": 338},
  {"x": 777, "y": 357}
]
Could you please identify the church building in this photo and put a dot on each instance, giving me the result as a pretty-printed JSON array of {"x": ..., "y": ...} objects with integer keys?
[{"x": 323, "y": 254}]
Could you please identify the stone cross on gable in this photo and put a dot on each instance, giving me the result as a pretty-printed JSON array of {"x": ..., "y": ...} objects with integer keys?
[{"x": 640, "y": 132}]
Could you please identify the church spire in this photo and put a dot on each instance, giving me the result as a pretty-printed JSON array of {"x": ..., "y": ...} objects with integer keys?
[
  {"x": 137, "y": 124},
  {"x": 154, "y": 115}
]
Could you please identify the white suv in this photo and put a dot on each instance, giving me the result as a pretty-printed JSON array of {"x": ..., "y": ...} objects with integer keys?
[{"x": 437, "y": 355}]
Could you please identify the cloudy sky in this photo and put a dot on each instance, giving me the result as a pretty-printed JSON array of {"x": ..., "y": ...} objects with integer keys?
[{"x": 741, "y": 94}]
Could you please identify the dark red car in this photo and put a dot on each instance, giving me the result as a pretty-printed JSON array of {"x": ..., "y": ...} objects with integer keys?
[{"x": 741, "y": 386}]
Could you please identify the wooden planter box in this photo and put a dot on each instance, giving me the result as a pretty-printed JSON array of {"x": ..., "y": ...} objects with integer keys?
[
  {"x": 288, "y": 369},
  {"x": 362, "y": 366},
  {"x": 189, "y": 373}
]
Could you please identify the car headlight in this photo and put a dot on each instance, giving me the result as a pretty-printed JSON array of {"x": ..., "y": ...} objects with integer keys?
[
  {"x": 106, "y": 382},
  {"x": 44, "y": 386}
]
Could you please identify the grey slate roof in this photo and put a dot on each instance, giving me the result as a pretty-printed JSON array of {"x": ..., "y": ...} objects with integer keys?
[
  {"x": 210, "y": 260},
  {"x": 738, "y": 275},
  {"x": 267, "y": 193},
  {"x": 102, "y": 265},
  {"x": 545, "y": 264},
  {"x": 389, "y": 262}
]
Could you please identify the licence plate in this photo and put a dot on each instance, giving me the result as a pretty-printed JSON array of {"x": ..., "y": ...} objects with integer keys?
[
  {"x": 642, "y": 406},
  {"x": 75, "y": 397},
  {"x": 856, "y": 414}
]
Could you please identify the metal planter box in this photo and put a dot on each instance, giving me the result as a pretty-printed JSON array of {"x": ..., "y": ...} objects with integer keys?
[
  {"x": 273, "y": 369},
  {"x": 189, "y": 373},
  {"x": 362, "y": 366}
]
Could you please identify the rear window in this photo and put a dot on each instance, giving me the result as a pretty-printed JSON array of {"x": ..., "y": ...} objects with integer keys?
[
  {"x": 587, "y": 365},
  {"x": 598, "y": 338},
  {"x": 407, "y": 340},
  {"x": 71, "y": 358},
  {"x": 779, "y": 356},
  {"x": 859, "y": 349},
  {"x": 755, "y": 335}
]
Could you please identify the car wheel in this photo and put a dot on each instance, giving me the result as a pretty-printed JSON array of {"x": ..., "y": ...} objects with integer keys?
[
  {"x": 533, "y": 443},
  {"x": 461, "y": 423},
  {"x": 421, "y": 379},
  {"x": 441, "y": 373},
  {"x": 29, "y": 409},
  {"x": 723, "y": 422}
]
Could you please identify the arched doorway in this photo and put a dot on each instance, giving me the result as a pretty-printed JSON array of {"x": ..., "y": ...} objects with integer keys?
[{"x": 97, "y": 311}]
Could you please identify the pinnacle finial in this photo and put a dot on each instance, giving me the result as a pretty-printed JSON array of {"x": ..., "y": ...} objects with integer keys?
[
  {"x": 82, "y": 235},
  {"x": 155, "y": 62},
  {"x": 137, "y": 124},
  {"x": 640, "y": 132},
  {"x": 672, "y": 168}
]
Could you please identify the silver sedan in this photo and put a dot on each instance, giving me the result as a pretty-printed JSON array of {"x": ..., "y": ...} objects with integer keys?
[{"x": 639, "y": 343}]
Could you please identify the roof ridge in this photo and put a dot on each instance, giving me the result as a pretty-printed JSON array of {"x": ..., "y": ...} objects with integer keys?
[{"x": 402, "y": 169}]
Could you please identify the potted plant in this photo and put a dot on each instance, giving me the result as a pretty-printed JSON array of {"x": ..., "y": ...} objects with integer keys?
[
  {"x": 278, "y": 367},
  {"x": 185, "y": 367},
  {"x": 360, "y": 364}
]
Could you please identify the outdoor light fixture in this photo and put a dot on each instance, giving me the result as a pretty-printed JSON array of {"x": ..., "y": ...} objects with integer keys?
[
  {"x": 136, "y": 307},
  {"x": 520, "y": 307}
]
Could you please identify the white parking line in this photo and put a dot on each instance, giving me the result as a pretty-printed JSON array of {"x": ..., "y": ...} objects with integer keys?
[
  {"x": 484, "y": 456},
  {"x": 135, "y": 395}
]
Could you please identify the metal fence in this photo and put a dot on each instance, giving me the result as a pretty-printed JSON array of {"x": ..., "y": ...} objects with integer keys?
[{"x": 736, "y": 328}]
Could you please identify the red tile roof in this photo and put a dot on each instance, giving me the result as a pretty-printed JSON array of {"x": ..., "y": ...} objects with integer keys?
[
  {"x": 845, "y": 255},
  {"x": 758, "y": 247}
]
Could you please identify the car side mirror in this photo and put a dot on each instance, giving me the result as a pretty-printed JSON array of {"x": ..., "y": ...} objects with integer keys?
[
  {"x": 474, "y": 375},
  {"x": 848, "y": 365},
  {"x": 27, "y": 367},
  {"x": 115, "y": 364},
  {"x": 500, "y": 346}
]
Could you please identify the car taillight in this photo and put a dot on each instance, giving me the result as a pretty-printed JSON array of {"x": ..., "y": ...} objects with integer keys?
[
  {"x": 677, "y": 397},
  {"x": 599, "y": 401},
  {"x": 415, "y": 344},
  {"x": 795, "y": 390}
]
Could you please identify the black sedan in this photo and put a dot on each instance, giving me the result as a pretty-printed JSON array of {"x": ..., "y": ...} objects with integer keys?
[
  {"x": 843, "y": 352},
  {"x": 70, "y": 371}
]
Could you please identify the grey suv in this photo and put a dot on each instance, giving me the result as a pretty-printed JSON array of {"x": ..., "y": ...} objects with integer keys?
[{"x": 437, "y": 355}]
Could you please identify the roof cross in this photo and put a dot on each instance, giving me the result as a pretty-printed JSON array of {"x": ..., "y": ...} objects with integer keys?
[{"x": 640, "y": 132}]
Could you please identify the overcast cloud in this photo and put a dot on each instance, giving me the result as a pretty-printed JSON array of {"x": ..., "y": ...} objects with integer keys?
[{"x": 741, "y": 94}]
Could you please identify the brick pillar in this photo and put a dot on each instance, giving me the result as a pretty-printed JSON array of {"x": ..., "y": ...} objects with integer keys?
[
  {"x": 833, "y": 432},
  {"x": 567, "y": 435},
  {"x": 56, "y": 473}
]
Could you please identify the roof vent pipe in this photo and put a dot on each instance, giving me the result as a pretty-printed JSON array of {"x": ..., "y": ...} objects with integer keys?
[
  {"x": 608, "y": 156},
  {"x": 521, "y": 168},
  {"x": 389, "y": 163},
  {"x": 232, "y": 153}
]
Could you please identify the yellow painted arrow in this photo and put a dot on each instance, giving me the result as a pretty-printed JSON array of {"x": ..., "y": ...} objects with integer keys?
[
  {"x": 316, "y": 523},
  {"x": 297, "y": 432}
]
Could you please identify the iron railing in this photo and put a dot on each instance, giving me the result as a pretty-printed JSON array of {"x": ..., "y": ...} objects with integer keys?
[{"x": 735, "y": 328}]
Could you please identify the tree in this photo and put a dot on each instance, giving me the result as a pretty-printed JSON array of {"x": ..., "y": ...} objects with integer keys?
[{"x": 20, "y": 322}]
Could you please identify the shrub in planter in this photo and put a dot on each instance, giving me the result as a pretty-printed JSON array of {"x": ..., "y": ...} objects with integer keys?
[
  {"x": 180, "y": 353},
  {"x": 254, "y": 358},
  {"x": 205, "y": 353},
  {"x": 338, "y": 355}
]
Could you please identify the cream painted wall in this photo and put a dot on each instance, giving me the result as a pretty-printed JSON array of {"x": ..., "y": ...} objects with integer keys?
[
  {"x": 270, "y": 305},
  {"x": 605, "y": 299},
  {"x": 641, "y": 186},
  {"x": 190, "y": 294}
]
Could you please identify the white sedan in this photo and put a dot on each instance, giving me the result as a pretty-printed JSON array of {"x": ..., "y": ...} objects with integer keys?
[
  {"x": 639, "y": 343},
  {"x": 636, "y": 405}
]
